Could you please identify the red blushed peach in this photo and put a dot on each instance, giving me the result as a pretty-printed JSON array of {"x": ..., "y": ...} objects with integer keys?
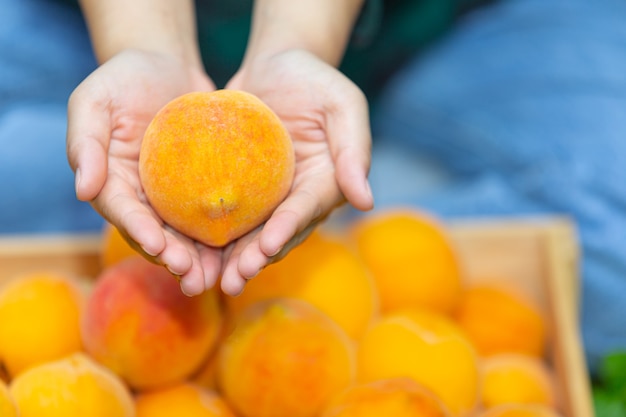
[{"x": 140, "y": 325}]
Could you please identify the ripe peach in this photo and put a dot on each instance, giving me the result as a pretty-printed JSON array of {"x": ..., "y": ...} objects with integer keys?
[
  {"x": 427, "y": 347},
  {"x": 284, "y": 358},
  {"x": 397, "y": 397},
  {"x": 72, "y": 386},
  {"x": 181, "y": 400},
  {"x": 323, "y": 271},
  {"x": 139, "y": 324},
  {"x": 516, "y": 379},
  {"x": 214, "y": 165},
  {"x": 39, "y": 316},
  {"x": 520, "y": 410},
  {"x": 499, "y": 320},
  {"x": 413, "y": 261},
  {"x": 7, "y": 405}
]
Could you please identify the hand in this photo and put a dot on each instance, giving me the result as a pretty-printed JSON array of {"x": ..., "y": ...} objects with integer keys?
[
  {"x": 107, "y": 116},
  {"x": 327, "y": 117}
]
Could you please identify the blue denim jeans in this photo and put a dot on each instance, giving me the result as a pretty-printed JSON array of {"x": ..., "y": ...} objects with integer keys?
[
  {"x": 44, "y": 53},
  {"x": 521, "y": 110}
]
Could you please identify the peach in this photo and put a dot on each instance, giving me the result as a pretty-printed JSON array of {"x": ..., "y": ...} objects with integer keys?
[
  {"x": 72, "y": 386},
  {"x": 39, "y": 316},
  {"x": 427, "y": 347},
  {"x": 285, "y": 358},
  {"x": 7, "y": 405},
  {"x": 498, "y": 319},
  {"x": 181, "y": 400},
  {"x": 397, "y": 397},
  {"x": 139, "y": 324},
  {"x": 215, "y": 165},
  {"x": 516, "y": 379},
  {"x": 413, "y": 261},
  {"x": 323, "y": 271},
  {"x": 520, "y": 410}
]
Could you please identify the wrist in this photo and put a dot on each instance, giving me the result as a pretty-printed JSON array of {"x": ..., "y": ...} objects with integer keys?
[
  {"x": 321, "y": 27},
  {"x": 153, "y": 26}
]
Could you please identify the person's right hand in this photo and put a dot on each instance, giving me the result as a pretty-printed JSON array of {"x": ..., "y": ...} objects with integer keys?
[{"x": 107, "y": 116}]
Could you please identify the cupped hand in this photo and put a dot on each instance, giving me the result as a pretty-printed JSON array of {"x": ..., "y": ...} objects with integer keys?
[
  {"x": 327, "y": 117},
  {"x": 107, "y": 116}
]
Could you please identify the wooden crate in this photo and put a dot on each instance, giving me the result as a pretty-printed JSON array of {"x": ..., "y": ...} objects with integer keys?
[{"x": 540, "y": 255}]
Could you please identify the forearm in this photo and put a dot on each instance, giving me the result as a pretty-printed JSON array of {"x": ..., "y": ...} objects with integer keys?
[
  {"x": 162, "y": 26},
  {"x": 322, "y": 27}
]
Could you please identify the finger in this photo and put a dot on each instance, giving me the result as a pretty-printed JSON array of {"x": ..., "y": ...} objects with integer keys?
[
  {"x": 310, "y": 201},
  {"x": 350, "y": 143},
  {"x": 192, "y": 282},
  {"x": 88, "y": 136},
  {"x": 211, "y": 263},
  {"x": 233, "y": 282},
  {"x": 119, "y": 204},
  {"x": 252, "y": 259}
]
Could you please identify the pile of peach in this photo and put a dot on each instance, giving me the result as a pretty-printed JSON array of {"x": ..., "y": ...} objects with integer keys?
[{"x": 370, "y": 319}]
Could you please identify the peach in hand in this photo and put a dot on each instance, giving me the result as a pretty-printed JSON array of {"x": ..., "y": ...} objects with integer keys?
[{"x": 215, "y": 165}]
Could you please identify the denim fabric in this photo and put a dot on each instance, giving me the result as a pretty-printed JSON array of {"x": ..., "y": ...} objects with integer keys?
[
  {"x": 522, "y": 110},
  {"x": 44, "y": 54}
]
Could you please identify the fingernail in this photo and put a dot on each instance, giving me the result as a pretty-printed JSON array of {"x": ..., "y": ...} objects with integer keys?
[
  {"x": 77, "y": 180},
  {"x": 368, "y": 189},
  {"x": 176, "y": 274},
  {"x": 249, "y": 277},
  {"x": 148, "y": 252}
]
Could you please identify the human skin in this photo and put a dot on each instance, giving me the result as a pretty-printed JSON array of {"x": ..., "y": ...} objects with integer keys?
[{"x": 149, "y": 55}]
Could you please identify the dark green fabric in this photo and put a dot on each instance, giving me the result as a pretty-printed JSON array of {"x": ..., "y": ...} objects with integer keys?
[{"x": 387, "y": 34}]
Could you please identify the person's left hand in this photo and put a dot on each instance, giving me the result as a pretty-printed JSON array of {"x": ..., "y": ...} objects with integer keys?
[{"x": 327, "y": 117}]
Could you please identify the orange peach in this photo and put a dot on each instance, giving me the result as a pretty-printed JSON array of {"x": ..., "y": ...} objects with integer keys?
[
  {"x": 427, "y": 347},
  {"x": 139, "y": 324},
  {"x": 284, "y": 358},
  {"x": 215, "y": 165},
  {"x": 498, "y": 319},
  {"x": 397, "y": 397},
  {"x": 516, "y": 379},
  {"x": 323, "y": 271},
  {"x": 181, "y": 400},
  {"x": 39, "y": 316},
  {"x": 413, "y": 261},
  {"x": 7, "y": 405},
  {"x": 520, "y": 410},
  {"x": 72, "y": 386}
]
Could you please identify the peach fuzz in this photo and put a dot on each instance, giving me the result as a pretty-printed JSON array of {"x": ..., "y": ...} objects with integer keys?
[
  {"x": 140, "y": 325},
  {"x": 72, "y": 386},
  {"x": 215, "y": 165},
  {"x": 284, "y": 358}
]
